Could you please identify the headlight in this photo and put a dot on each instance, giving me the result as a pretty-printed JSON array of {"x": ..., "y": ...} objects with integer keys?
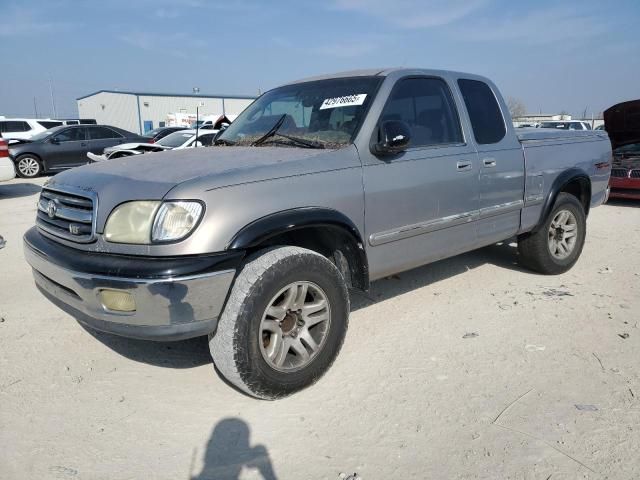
[
  {"x": 175, "y": 220},
  {"x": 131, "y": 222},
  {"x": 147, "y": 222}
]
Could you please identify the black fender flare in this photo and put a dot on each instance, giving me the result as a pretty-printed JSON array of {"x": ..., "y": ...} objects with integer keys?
[
  {"x": 265, "y": 228},
  {"x": 558, "y": 185}
]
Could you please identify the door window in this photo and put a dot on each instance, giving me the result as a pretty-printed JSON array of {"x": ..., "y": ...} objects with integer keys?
[
  {"x": 102, "y": 133},
  {"x": 14, "y": 126},
  {"x": 484, "y": 112},
  {"x": 425, "y": 104},
  {"x": 71, "y": 135}
]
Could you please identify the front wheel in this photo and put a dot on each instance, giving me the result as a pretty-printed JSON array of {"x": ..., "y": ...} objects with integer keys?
[
  {"x": 283, "y": 324},
  {"x": 28, "y": 166},
  {"x": 556, "y": 246}
]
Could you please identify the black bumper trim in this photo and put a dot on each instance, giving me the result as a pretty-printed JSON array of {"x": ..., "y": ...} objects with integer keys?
[{"x": 109, "y": 264}]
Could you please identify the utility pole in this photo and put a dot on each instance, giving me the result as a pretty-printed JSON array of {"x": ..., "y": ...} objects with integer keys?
[
  {"x": 200, "y": 104},
  {"x": 53, "y": 102},
  {"x": 35, "y": 107}
]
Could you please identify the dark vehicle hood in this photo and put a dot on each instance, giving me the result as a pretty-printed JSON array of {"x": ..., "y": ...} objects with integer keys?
[
  {"x": 622, "y": 123},
  {"x": 153, "y": 175}
]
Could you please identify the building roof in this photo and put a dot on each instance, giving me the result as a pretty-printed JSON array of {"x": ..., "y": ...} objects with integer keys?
[{"x": 160, "y": 94}]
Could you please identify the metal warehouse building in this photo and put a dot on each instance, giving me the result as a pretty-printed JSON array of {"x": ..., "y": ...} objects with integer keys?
[{"x": 143, "y": 111}]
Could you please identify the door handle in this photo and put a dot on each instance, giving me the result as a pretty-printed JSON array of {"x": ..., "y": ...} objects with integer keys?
[
  {"x": 83, "y": 144},
  {"x": 463, "y": 166},
  {"x": 489, "y": 162}
]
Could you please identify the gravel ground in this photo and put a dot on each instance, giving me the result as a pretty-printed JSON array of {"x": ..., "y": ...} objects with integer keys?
[{"x": 467, "y": 368}]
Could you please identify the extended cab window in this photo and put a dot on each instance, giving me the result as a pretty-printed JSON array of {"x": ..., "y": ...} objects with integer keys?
[
  {"x": 425, "y": 104},
  {"x": 486, "y": 119}
]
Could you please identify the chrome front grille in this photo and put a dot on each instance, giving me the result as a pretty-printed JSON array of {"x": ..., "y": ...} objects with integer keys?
[
  {"x": 635, "y": 173},
  {"x": 68, "y": 215},
  {"x": 619, "y": 172}
]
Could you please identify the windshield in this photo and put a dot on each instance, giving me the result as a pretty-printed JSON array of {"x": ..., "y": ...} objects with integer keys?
[
  {"x": 154, "y": 132},
  {"x": 175, "y": 139},
  {"x": 327, "y": 112}
]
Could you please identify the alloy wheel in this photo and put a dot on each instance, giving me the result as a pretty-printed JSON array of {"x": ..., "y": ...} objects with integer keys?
[{"x": 294, "y": 326}]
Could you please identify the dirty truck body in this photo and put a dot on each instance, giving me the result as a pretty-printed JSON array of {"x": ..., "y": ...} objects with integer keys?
[{"x": 417, "y": 166}]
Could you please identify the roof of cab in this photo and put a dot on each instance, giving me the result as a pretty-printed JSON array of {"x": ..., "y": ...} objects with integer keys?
[{"x": 381, "y": 72}]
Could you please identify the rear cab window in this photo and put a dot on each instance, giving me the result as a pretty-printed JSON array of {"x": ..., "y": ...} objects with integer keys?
[{"x": 484, "y": 112}]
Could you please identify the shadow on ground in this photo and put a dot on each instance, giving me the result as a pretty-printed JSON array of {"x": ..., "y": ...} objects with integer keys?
[
  {"x": 17, "y": 190},
  {"x": 195, "y": 352},
  {"x": 622, "y": 202},
  {"x": 229, "y": 451}
]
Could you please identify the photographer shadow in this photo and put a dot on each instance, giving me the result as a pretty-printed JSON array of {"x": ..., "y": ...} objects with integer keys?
[{"x": 229, "y": 451}]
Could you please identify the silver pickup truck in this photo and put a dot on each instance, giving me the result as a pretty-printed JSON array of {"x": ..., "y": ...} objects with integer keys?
[{"x": 319, "y": 186}]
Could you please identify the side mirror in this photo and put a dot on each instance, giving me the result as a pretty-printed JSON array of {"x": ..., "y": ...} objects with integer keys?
[
  {"x": 394, "y": 137},
  {"x": 55, "y": 141}
]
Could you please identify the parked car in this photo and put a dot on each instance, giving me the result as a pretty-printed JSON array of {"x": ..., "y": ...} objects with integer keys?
[
  {"x": 78, "y": 121},
  {"x": 214, "y": 122},
  {"x": 64, "y": 147},
  {"x": 186, "y": 138},
  {"x": 621, "y": 121},
  {"x": 158, "y": 133},
  {"x": 318, "y": 186},
  {"x": 566, "y": 125},
  {"x": 7, "y": 170},
  {"x": 25, "y": 128}
]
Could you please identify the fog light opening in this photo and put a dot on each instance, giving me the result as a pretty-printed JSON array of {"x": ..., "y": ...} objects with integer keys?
[{"x": 117, "y": 300}]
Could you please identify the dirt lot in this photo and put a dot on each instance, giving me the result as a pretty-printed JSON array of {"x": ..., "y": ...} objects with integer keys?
[{"x": 468, "y": 368}]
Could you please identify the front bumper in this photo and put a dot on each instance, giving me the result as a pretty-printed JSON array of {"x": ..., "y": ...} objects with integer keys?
[
  {"x": 175, "y": 298},
  {"x": 625, "y": 188}
]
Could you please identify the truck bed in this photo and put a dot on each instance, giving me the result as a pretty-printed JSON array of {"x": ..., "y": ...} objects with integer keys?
[{"x": 545, "y": 134}]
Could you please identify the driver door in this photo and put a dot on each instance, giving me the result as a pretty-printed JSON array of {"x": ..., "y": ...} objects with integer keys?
[
  {"x": 68, "y": 148},
  {"x": 421, "y": 205}
]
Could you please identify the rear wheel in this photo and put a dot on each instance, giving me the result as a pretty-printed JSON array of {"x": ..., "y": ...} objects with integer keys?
[
  {"x": 28, "y": 166},
  {"x": 556, "y": 246},
  {"x": 283, "y": 324}
]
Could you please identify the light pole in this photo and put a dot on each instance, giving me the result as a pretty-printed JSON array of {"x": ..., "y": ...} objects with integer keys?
[
  {"x": 196, "y": 91},
  {"x": 200, "y": 104}
]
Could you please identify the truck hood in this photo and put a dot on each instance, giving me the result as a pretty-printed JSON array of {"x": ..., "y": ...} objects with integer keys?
[
  {"x": 620, "y": 125},
  {"x": 153, "y": 175}
]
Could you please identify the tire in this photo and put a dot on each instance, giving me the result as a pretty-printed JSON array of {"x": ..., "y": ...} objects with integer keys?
[
  {"x": 241, "y": 345},
  {"x": 28, "y": 166},
  {"x": 535, "y": 249}
]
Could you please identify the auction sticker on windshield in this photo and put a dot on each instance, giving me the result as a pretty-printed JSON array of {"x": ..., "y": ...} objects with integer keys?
[{"x": 346, "y": 101}]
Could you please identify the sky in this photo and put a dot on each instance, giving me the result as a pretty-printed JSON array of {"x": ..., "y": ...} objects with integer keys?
[{"x": 553, "y": 56}]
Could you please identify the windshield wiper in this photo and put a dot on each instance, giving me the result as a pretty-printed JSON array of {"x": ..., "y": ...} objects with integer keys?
[
  {"x": 271, "y": 132},
  {"x": 300, "y": 142}
]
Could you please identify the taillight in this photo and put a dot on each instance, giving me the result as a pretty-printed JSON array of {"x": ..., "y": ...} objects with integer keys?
[{"x": 4, "y": 149}]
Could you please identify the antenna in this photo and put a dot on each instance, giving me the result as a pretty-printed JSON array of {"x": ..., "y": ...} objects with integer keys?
[{"x": 53, "y": 101}]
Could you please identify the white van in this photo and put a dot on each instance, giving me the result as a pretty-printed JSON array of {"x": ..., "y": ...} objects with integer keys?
[{"x": 25, "y": 128}]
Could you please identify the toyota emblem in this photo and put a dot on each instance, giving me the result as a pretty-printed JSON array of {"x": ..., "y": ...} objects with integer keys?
[{"x": 51, "y": 209}]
